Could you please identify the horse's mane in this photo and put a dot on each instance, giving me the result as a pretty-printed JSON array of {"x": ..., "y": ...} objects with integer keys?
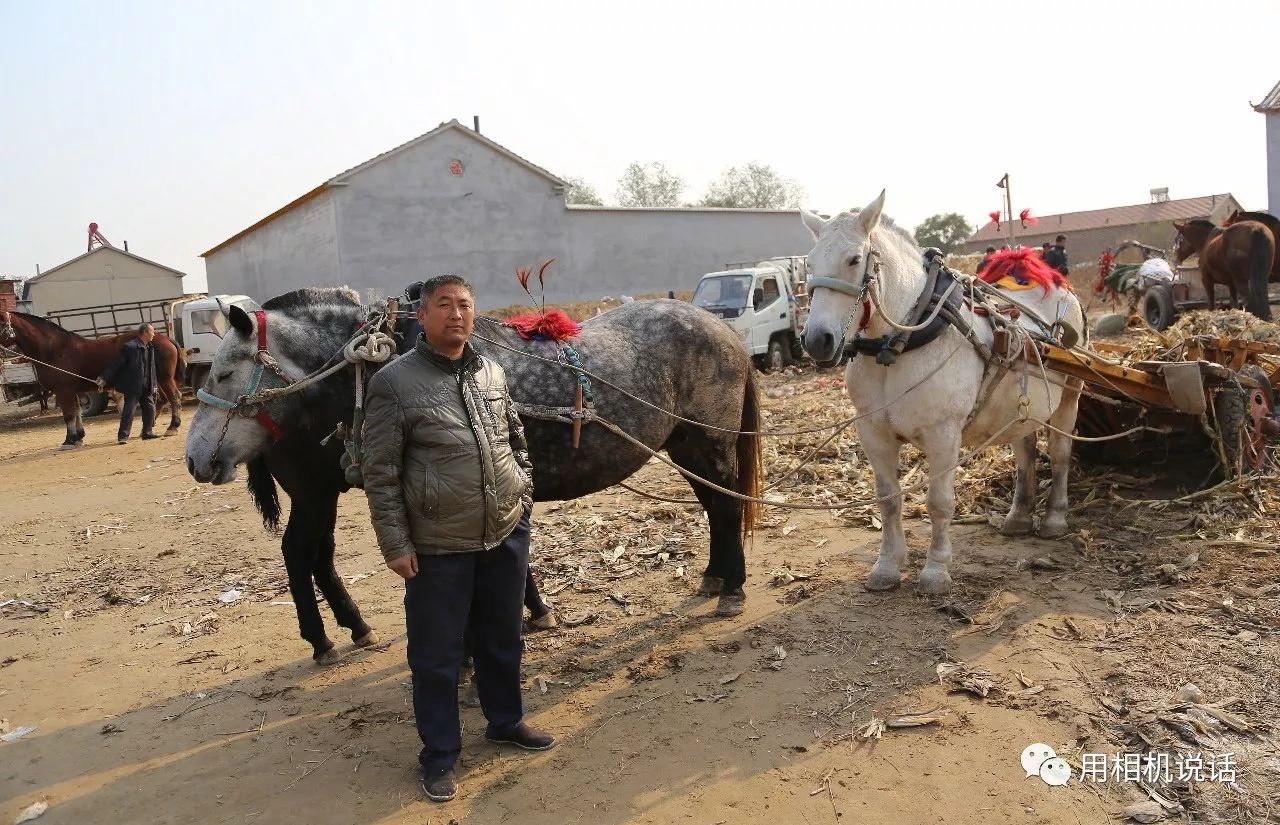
[
  {"x": 314, "y": 296},
  {"x": 1201, "y": 223},
  {"x": 46, "y": 324}
]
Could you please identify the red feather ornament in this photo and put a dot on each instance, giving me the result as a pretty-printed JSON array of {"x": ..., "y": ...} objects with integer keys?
[
  {"x": 1027, "y": 220},
  {"x": 1025, "y": 266},
  {"x": 995, "y": 218}
]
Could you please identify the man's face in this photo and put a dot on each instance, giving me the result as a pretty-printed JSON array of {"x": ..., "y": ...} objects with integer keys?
[
  {"x": 447, "y": 317},
  {"x": 1062, "y": 242},
  {"x": 147, "y": 335}
]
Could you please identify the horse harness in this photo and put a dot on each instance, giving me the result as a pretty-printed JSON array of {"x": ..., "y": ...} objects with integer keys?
[
  {"x": 941, "y": 304},
  {"x": 252, "y": 404}
]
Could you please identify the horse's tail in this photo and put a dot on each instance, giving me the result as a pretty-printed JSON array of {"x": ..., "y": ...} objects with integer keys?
[
  {"x": 180, "y": 369},
  {"x": 750, "y": 466},
  {"x": 1261, "y": 249},
  {"x": 263, "y": 489}
]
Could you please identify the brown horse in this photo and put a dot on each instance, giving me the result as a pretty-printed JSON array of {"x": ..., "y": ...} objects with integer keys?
[
  {"x": 83, "y": 360},
  {"x": 1238, "y": 256},
  {"x": 1268, "y": 220}
]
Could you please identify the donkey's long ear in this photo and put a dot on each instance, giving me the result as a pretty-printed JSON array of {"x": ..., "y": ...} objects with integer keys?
[
  {"x": 240, "y": 321},
  {"x": 813, "y": 222},
  {"x": 869, "y": 217}
]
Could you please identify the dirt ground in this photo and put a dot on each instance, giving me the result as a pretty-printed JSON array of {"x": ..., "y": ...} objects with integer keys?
[{"x": 155, "y": 702}]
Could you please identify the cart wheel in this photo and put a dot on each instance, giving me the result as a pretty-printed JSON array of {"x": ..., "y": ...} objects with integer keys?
[
  {"x": 1157, "y": 308},
  {"x": 1241, "y": 414},
  {"x": 92, "y": 403}
]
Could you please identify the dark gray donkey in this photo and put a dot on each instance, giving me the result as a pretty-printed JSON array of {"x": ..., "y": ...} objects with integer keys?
[{"x": 671, "y": 354}]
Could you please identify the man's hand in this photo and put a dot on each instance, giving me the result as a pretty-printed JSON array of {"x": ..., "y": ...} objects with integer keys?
[
  {"x": 101, "y": 382},
  {"x": 406, "y": 567}
]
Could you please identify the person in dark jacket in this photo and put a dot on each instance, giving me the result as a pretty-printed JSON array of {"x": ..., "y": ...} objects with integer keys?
[
  {"x": 1056, "y": 257},
  {"x": 450, "y": 489},
  {"x": 133, "y": 375},
  {"x": 986, "y": 259}
]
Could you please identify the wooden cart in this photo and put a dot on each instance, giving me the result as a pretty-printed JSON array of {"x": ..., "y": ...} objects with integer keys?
[{"x": 1221, "y": 387}]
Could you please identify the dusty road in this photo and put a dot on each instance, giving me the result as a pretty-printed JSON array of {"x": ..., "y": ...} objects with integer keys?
[{"x": 154, "y": 702}]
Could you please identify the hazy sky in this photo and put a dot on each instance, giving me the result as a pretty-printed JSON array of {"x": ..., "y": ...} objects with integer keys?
[{"x": 175, "y": 125}]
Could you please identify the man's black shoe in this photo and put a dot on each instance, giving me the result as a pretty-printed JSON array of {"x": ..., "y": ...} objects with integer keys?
[
  {"x": 440, "y": 787},
  {"x": 523, "y": 736}
]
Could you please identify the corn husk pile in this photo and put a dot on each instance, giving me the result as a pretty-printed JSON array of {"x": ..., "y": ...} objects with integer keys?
[{"x": 1220, "y": 323}]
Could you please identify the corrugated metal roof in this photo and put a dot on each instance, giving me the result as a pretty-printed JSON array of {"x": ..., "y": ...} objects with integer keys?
[
  {"x": 1067, "y": 222},
  {"x": 341, "y": 177},
  {"x": 1270, "y": 103}
]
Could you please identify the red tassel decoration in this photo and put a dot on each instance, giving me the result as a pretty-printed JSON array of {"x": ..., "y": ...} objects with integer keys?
[
  {"x": 995, "y": 218},
  {"x": 1024, "y": 266},
  {"x": 1027, "y": 220},
  {"x": 554, "y": 325}
]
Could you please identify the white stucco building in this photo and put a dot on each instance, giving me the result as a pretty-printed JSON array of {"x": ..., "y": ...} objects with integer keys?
[
  {"x": 454, "y": 201},
  {"x": 1270, "y": 108}
]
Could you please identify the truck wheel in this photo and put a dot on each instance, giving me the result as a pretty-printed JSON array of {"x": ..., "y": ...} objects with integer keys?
[
  {"x": 1157, "y": 308},
  {"x": 196, "y": 376},
  {"x": 777, "y": 358},
  {"x": 92, "y": 403}
]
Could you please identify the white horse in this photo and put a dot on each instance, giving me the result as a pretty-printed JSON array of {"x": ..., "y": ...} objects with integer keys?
[{"x": 933, "y": 404}]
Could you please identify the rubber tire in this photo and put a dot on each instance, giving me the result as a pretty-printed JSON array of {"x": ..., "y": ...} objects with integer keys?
[
  {"x": 92, "y": 403},
  {"x": 1158, "y": 309},
  {"x": 1230, "y": 408},
  {"x": 777, "y": 358},
  {"x": 197, "y": 376}
]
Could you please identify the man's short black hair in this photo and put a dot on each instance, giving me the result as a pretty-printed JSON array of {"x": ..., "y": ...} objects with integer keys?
[
  {"x": 991, "y": 249},
  {"x": 423, "y": 291},
  {"x": 1060, "y": 239},
  {"x": 1046, "y": 243}
]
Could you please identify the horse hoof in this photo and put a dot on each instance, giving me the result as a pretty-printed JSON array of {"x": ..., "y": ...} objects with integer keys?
[
  {"x": 1053, "y": 528},
  {"x": 329, "y": 657},
  {"x": 66, "y": 447},
  {"x": 711, "y": 586},
  {"x": 731, "y": 603},
  {"x": 1020, "y": 526},
  {"x": 367, "y": 640},
  {"x": 546, "y": 621},
  {"x": 881, "y": 580},
  {"x": 936, "y": 582},
  {"x": 173, "y": 428},
  {"x": 471, "y": 697}
]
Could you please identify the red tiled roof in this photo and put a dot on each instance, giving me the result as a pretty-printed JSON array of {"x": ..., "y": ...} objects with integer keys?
[{"x": 1068, "y": 222}]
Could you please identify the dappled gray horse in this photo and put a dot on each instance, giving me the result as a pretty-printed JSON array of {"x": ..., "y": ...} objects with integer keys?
[{"x": 669, "y": 353}]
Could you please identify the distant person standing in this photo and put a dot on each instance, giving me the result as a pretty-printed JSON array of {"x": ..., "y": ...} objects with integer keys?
[
  {"x": 986, "y": 259},
  {"x": 1044, "y": 249},
  {"x": 133, "y": 375},
  {"x": 1056, "y": 257}
]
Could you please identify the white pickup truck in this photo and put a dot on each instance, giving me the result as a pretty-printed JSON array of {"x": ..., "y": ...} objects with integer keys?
[{"x": 766, "y": 303}]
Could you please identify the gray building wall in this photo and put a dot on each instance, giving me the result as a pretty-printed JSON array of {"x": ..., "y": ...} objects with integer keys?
[
  {"x": 640, "y": 251},
  {"x": 299, "y": 248},
  {"x": 407, "y": 217},
  {"x": 1273, "y": 163}
]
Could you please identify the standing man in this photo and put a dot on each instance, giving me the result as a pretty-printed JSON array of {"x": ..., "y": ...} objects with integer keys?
[
  {"x": 1056, "y": 257},
  {"x": 449, "y": 484},
  {"x": 133, "y": 374},
  {"x": 986, "y": 259}
]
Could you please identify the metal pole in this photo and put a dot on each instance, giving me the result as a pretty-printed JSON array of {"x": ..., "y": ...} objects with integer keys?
[{"x": 1008, "y": 201}]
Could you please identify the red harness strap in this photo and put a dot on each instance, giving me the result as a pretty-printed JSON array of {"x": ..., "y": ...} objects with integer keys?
[
  {"x": 866, "y": 316},
  {"x": 263, "y": 417}
]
